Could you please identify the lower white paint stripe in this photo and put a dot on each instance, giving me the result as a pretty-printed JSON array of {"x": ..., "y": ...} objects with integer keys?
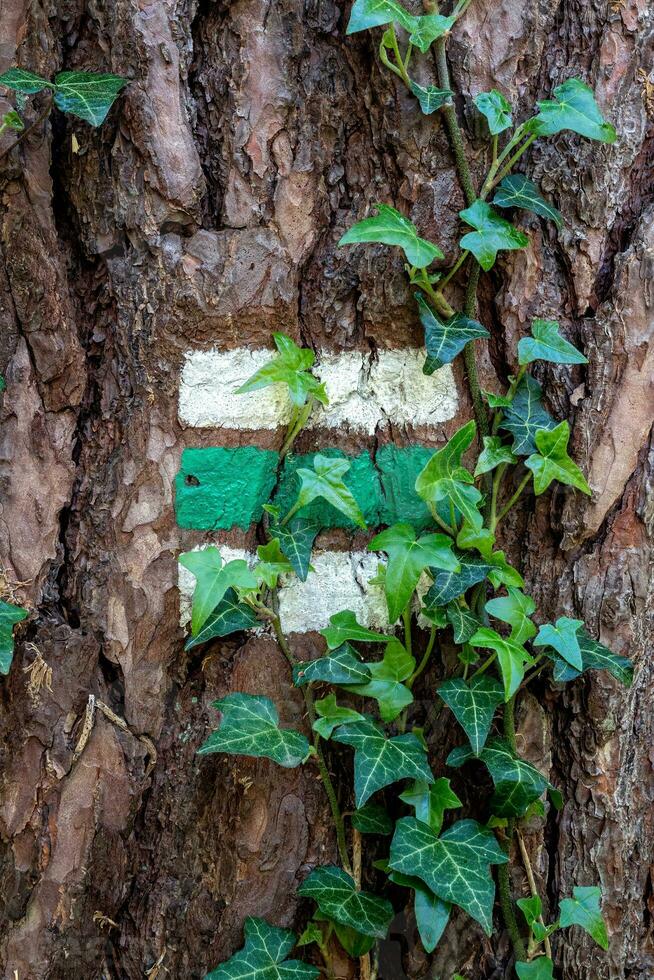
[
  {"x": 364, "y": 391},
  {"x": 340, "y": 580}
]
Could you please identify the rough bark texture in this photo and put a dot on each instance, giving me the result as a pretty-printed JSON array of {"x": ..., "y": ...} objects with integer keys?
[{"x": 207, "y": 210}]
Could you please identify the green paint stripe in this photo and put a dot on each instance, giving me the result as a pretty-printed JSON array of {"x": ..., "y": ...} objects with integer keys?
[{"x": 219, "y": 488}]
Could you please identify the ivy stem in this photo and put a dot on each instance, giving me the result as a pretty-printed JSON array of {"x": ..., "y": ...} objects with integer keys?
[
  {"x": 404, "y": 75},
  {"x": 28, "y": 129},
  {"x": 425, "y": 659},
  {"x": 297, "y": 424},
  {"x": 455, "y": 268},
  {"x": 532, "y": 884},
  {"x": 503, "y": 877},
  {"x": 406, "y": 619},
  {"x": 505, "y": 510},
  {"x": 470, "y": 309},
  {"x": 452, "y": 123},
  {"x": 514, "y": 159},
  {"x": 320, "y": 758},
  {"x": 484, "y": 667}
]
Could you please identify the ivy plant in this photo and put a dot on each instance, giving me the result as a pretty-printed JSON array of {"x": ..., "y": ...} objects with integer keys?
[{"x": 446, "y": 585}]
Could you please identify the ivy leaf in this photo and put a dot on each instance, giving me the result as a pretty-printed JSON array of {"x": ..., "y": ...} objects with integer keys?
[
  {"x": 493, "y": 454},
  {"x": 493, "y": 234},
  {"x": 229, "y": 616},
  {"x": 21, "y": 80},
  {"x": 563, "y": 638},
  {"x": 430, "y": 801},
  {"x": 272, "y": 563},
  {"x": 444, "y": 478},
  {"x": 9, "y": 616},
  {"x": 389, "y": 227},
  {"x": 331, "y": 715},
  {"x": 343, "y": 666},
  {"x": 516, "y": 191},
  {"x": 514, "y": 609},
  {"x": 450, "y": 585},
  {"x": 594, "y": 656},
  {"x": 291, "y": 367},
  {"x": 462, "y": 621},
  {"x": 497, "y": 110},
  {"x": 408, "y": 557},
  {"x": 430, "y": 97},
  {"x": 547, "y": 344},
  {"x": 250, "y": 726},
  {"x": 336, "y": 896},
  {"x": 377, "y": 13},
  {"x": 496, "y": 401},
  {"x": 385, "y": 685},
  {"x": 502, "y": 573},
  {"x": 372, "y": 819},
  {"x": 326, "y": 480},
  {"x": 212, "y": 580},
  {"x": 263, "y": 956},
  {"x": 296, "y": 541},
  {"x": 432, "y": 913},
  {"x": 531, "y": 908},
  {"x": 380, "y": 761},
  {"x": 511, "y": 656},
  {"x": 481, "y": 539},
  {"x": 87, "y": 94},
  {"x": 473, "y": 704},
  {"x": 541, "y": 968},
  {"x": 354, "y": 943},
  {"x": 444, "y": 339},
  {"x": 525, "y": 416},
  {"x": 312, "y": 934},
  {"x": 455, "y": 866},
  {"x": 583, "y": 909},
  {"x": 428, "y": 28},
  {"x": 11, "y": 120},
  {"x": 517, "y": 783},
  {"x": 344, "y": 627},
  {"x": 573, "y": 107},
  {"x": 551, "y": 461}
]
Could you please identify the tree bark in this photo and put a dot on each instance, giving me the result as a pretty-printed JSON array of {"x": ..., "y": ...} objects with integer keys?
[{"x": 205, "y": 212}]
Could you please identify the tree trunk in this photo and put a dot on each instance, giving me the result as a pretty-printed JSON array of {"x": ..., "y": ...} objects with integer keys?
[{"x": 205, "y": 214}]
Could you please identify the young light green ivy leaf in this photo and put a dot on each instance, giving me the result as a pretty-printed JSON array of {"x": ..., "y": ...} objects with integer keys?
[
  {"x": 473, "y": 704},
  {"x": 563, "y": 638},
  {"x": 531, "y": 908},
  {"x": 573, "y": 107},
  {"x": 385, "y": 685},
  {"x": 10, "y": 120},
  {"x": 380, "y": 761},
  {"x": 493, "y": 234},
  {"x": 526, "y": 416},
  {"x": 212, "y": 580},
  {"x": 551, "y": 461},
  {"x": 9, "y": 616},
  {"x": 326, "y": 480},
  {"x": 292, "y": 367},
  {"x": 372, "y": 819},
  {"x": 481, "y": 539},
  {"x": 430, "y": 97},
  {"x": 496, "y": 401},
  {"x": 336, "y": 895},
  {"x": 428, "y": 28},
  {"x": 312, "y": 934},
  {"x": 87, "y": 94},
  {"x": 444, "y": 339},
  {"x": 343, "y": 666},
  {"x": 501, "y": 573},
  {"x": 376, "y": 13},
  {"x": 431, "y": 801},
  {"x": 541, "y": 968},
  {"x": 21, "y": 80},
  {"x": 594, "y": 656},
  {"x": 547, "y": 344},
  {"x": 408, "y": 556},
  {"x": 444, "y": 477},
  {"x": 454, "y": 866},
  {"x": 229, "y": 616},
  {"x": 263, "y": 957},
  {"x": 514, "y": 609},
  {"x": 493, "y": 454},
  {"x": 331, "y": 715},
  {"x": 389, "y": 227},
  {"x": 583, "y": 909},
  {"x": 296, "y": 541},
  {"x": 344, "y": 626},
  {"x": 512, "y": 657},
  {"x": 272, "y": 563},
  {"x": 497, "y": 110},
  {"x": 250, "y": 726},
  {"x": 516, "y": 191},
  {"x": 463, "y": 622}
]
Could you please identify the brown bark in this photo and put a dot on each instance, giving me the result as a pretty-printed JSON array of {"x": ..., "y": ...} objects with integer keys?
[{"x": 207, "y": 210}]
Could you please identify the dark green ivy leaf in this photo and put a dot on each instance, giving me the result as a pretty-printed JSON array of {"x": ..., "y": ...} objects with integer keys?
[
  {"x": 526, "y": 416},
  {"x": 497, "y": 110},
  {"x": 444, "y": 339},
  {"x": 493, "y": 234},
  {"x": 212, "y": 580},
  {"x": 87, "y": 94},
  {"x": 376, "y": 13},
  {"x": 516, "y": 191},
  {"x": 264, "y": 957},
  {"x": 21, "y": 80},
  {"x": 296, "y": 541},
  {"x": 450, "y": 585},
  {"x": 464, "y": 624},
  {"x": 389, "y": 227},
  {"x": 9, "y": 616},
  {"x": 473, "y": 703},
  {"x": 336, "y": 896},
  {"x": 583, "y": 909},
  {"x": 547, "y": 344},
  {"x": 250, "y": 726},
  {"x": 372, "y": 819},
  {"x": 430, "y": 97},
  {"x": 573, "y": 107},
  {"x": 343, "y": 666},
  {"x": 230, "y": 616},
  {"x": 594, "y": 656}
]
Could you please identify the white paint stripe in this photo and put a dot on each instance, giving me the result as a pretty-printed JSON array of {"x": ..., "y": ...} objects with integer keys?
[
  {"x": 340, "y": 580},
  {"x": 364, "y": 391}
]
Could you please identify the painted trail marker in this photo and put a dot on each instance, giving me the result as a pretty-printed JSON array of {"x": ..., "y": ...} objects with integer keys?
[{"x": 220, "y": 488}]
